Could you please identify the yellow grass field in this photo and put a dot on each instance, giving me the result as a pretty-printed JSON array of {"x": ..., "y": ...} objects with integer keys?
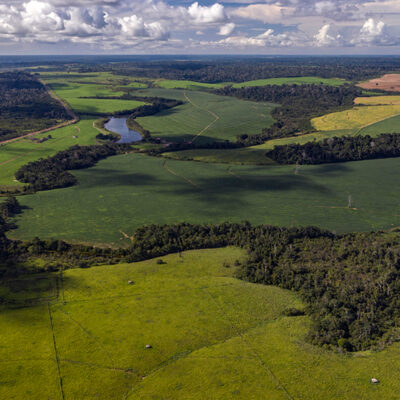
[
  {"x": 378, "y": 100},
  {"x": 358, "y": 117}
]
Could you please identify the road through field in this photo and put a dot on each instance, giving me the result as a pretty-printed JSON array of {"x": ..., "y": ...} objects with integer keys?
[{"x": 204, "y": 109}]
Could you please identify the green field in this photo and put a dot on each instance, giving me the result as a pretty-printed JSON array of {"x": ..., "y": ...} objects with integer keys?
[
  {"x": 129, "y": 191},
  {"x": 212, "y": 337},
  {"x": 192, "y": 85},
  {"x": 240, "y": 156},
  {"x": 205, "y": 117},
  {"x": 15, "y": 154}
]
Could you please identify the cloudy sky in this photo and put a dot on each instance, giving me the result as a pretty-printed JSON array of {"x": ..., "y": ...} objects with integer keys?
[{"x": 202, "y": 27}]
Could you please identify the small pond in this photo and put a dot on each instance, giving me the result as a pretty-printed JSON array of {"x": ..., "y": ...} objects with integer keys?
[{"x": 118, "y": 125}]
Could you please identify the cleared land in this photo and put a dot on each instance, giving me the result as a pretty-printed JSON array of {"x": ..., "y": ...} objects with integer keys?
[
  {"x": 356, "y": 118},
  {"x": 388, "y": 82},
  {"x": 14, "y": 155},
  {"x": 192, "y": 85},
  {"x": 212, "y": 337},
  {"x": 378, "y": 100},
  {"x": 129, "y": 191},
  {"x": 198, "y": 116}
]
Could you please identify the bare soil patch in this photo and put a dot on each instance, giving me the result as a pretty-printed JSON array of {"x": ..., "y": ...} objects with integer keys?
[{"x": 388, "y": 82}]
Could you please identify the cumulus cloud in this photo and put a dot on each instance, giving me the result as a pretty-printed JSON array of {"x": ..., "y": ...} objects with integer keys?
[
  {"x": 325, "y": 37},
  {"x": 227, "y": 29},
  {"x": 262, "y": 12},
  {"x": 207, "y": 15}
]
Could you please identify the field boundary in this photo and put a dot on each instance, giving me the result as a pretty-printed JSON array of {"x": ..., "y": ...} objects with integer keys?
[
  {"x": 203, "y": 109},
  {"x": 56, "y": 353}
]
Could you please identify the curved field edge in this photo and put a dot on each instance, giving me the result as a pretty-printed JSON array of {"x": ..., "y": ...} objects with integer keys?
[{"x": 212, "y": 336}]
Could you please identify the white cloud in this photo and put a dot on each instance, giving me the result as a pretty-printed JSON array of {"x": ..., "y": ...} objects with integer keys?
[
  {"x": 325, "y": 38},
  {"x": 262, "y": 12},
  {"x": 227, "y": 29},
  {"x": 207, "y": 15}
]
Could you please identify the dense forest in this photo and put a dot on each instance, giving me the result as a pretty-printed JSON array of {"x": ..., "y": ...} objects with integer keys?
[
  {"x": 350, "y": 283},
  {"x": 338, "y": 149},
  {"x": 26, "y": 106},
  {"x": 298, "y": 105},
  {"x": 239, "y": 69},
  {"x": 52, "y": 172}
]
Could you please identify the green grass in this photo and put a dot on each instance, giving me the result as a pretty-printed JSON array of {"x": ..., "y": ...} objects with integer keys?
[
  {"x": 72, "y": 93},
  {"x": 241, "y": 156},
  {"x": 129, "y": 191},
  {"x": 15, "y": 154},
  {"x": 198, "y": 115},
  {"x": 212, "y": 337}
]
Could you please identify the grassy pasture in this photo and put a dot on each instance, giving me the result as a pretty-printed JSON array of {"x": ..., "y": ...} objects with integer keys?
[
  {"x": 209, "y": 116},
  {"x": 190, "y": 85},
  {"x": 356, "y": 118},
  {"x": 15, "y": 154},
  {"x": 212, "y": 337},
  {"x": 128, "y": 191}
]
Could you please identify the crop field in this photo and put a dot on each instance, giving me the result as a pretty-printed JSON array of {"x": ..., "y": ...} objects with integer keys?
[
  {"x": 241, "y": 156},
  {"x": 192, "y": 85},
  {"x": 205, "y": 117},
  {"x": 211, "y": 336},
  {"x": 356, "y": 118},
  {"x": 15, "y": 154},
  {"x": 72, "y": 93},
  {"x": 125, "y": 192},
  {"x": 378, "y": 100}
]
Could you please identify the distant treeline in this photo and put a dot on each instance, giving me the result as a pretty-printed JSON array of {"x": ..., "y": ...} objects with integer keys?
[
  {"x": 350, "y": 283},
  {"x": 338, "y": 149},
  {"x": 26, "y": 106},
  {"x": 233, "y": 69},
  {"x": 52, "y": 172},
  {"x": 298, "y": 105}
]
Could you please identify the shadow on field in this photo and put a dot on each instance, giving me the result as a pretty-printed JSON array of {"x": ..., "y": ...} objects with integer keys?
[
  {"x": 112, "y": 178},
  {"x": 325, "y": 169}
]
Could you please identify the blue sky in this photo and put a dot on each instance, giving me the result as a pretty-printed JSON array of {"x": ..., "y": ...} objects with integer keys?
[{"x": 203, "y": 27}]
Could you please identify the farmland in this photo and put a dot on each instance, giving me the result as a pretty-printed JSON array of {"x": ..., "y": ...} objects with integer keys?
[
  {"x": 388, "y": 82},
  {"x": 212, "y": 336},
  {"x": 356, "y": 118},
  {"x": 128, "y": 191},
  {"x": 191, "y": 85},
  {"x": 14, "y": 155},
  {"x": 205, "y": 117}
]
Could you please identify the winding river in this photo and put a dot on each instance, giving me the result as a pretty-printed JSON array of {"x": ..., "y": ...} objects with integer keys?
[{"x": 118, "y": 125}]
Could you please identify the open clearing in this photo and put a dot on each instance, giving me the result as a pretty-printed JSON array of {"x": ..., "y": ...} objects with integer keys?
[
  {"x": 212, "y": 337},
  {"x": 128, "y": 191},
  {"x": 388, "y": 82},
  {"x": 198, "y": 114}
]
